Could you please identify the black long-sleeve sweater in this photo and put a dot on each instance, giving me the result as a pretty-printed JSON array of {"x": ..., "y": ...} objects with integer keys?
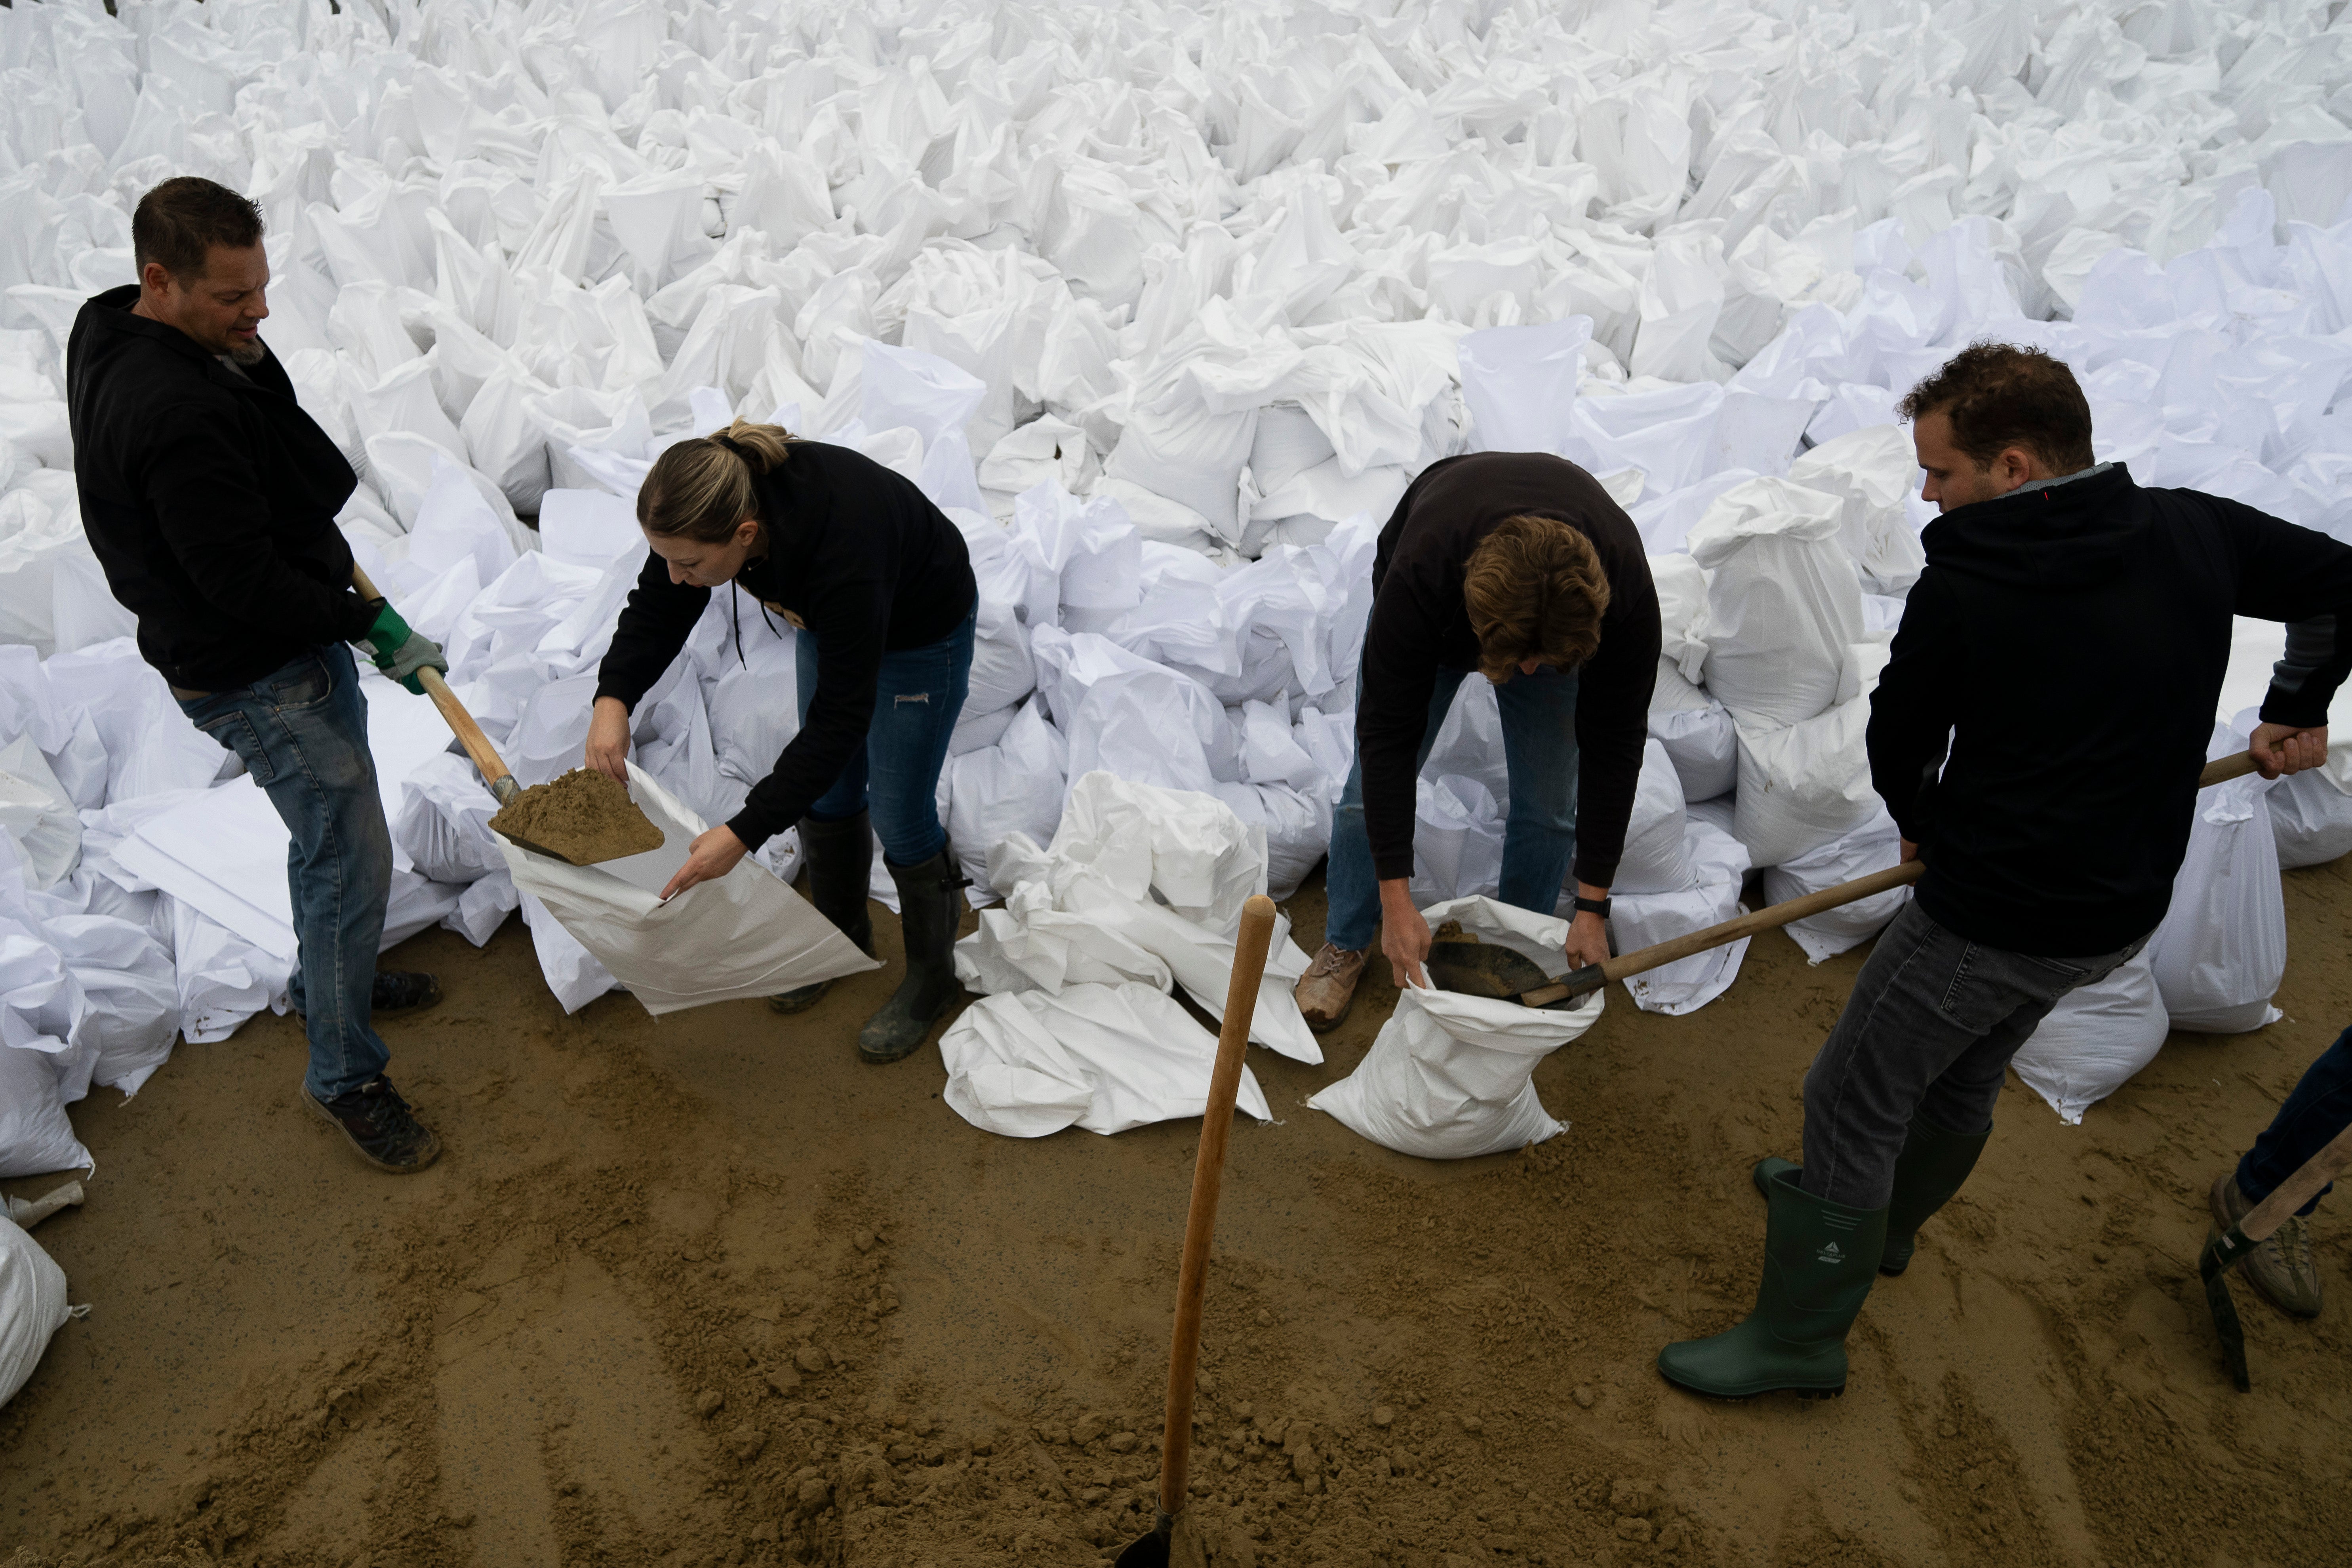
[
  {"x": 2070, "y": 642},
  {"x": 1421, "y": 625},
  {"x": 859, "y": 558},
  {"x": 209, "y": 498}
]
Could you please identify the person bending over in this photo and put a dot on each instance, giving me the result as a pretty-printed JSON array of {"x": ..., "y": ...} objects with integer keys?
[
  {"x": 2038, "y": 735},
  {"x": 1518, "y": 566},
  {"x": 879, "y": 584},
  {"x": 210, "y": 500}
]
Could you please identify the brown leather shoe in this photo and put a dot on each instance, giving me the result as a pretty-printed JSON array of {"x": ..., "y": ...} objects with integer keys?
[{"x": 1327, "y": 989}]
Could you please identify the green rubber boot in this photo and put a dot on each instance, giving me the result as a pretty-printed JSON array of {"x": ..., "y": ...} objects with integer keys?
[
  {"x": 1818, "y": 1263},
  {"x": 840, "y": 856},
  {"x": 1933, "y": 1164}
]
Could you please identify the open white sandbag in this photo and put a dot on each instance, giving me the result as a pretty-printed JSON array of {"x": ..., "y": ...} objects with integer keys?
[
  {"x": 743, "y": 934},
  {"x": 32, "y": 1304},
  {"x": 1872, "y": 472},
  {"x": 1103, "y": 1058},
  {"x": 1784, "y": 607},
  {"x": 1875, "y": 845},
  {"x": 1718, "y": 863},
  {"x": 2096, "y": 1039},
  {"x": 1803, "y": 785},
  {"x": 1450, "y": 1076},
  {"x": 2220, "y": 952}
]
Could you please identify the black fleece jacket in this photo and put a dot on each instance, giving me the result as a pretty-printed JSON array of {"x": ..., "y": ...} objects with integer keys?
[
  {"x": 209, "y": 498},
  {"x": 1420, "y": 627},
  {"x": 2070, "y": 642},
  {"x": 859, "y": 559}
]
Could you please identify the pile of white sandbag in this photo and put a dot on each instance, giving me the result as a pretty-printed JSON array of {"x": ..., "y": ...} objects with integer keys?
[{"x": 1165, "y": 305}]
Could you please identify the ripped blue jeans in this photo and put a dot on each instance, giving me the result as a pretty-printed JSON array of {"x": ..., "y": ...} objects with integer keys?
[{"x": 917, "y": 697}]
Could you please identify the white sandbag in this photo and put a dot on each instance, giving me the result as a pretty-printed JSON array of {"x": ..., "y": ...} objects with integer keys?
[
  {"x": 443, "y": 822},
  {"x": 1014, "y": 787},
  {"x": 1519, "y": 384},
  {"x": 1718, "y": 865},
  {"x": 1805, "y": 784},
  {"x": 1875, "y": 845},
  {"x": 1697, "y": 732},
  {"x": 222, "y": 978},
  {"x": 1031, "y": 944},
  {"x": 1103, "y": 1058},
  {"x": 1457, "y": 839},
  {"x": 2097, "y": 1039},
  {"x": 36, "y": 1138},
  {"x": 1682, "y": 587},
  {"x": 32, "y": 1306},
  {"x": 36, "y": 810},
  {"x": 1450, "y": 1076},
  {"x": 2311, "y": 817},
  {"x": 1872, "y": 472},
  {"x": 2220, "y": 952},
  {"x": 1784, "y": 607},
  {"x": 743, "y": 934},
  {"x": 1654, "y": 860}
]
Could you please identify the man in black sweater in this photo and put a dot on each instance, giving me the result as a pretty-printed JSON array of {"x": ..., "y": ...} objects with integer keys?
[
  {"x": 1517, "y": 565},
  {"x": 2037, "y": 735},
  {"x": 209, "y": 498}
]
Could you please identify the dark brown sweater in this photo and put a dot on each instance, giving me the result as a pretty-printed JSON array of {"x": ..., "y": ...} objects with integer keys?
[{"x": 1420, "y": 626}]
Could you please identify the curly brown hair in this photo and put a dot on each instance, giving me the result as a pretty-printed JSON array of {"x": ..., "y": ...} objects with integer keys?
[
  {"x": 1534, "y": 589},
  {"x": 1999, "y": 396}
]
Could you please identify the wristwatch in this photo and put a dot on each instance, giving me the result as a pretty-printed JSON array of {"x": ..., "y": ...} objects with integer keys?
[{"x": 1585, "y": 906}]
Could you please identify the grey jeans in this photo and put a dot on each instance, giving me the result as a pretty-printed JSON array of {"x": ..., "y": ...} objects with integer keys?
[{"x": 1932, "y": 1023}]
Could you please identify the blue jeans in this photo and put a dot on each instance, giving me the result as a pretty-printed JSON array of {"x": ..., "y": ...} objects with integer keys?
[
  {"x": 917, "y": 697},
  {"x": 301, "y": 732},
  {"x": 1539, "y": 837},
  {"x": 2320, "y": 1108}
]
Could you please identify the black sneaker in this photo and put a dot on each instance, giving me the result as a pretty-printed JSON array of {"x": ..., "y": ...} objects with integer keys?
[
  {"x": 403, "y": 991},
  {"x": 380, "y": 1126}
]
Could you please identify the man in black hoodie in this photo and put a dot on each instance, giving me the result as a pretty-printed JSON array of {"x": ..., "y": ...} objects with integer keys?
[
  {"x": 2037, "y": 735},
  {"x": 210, "y": 498}
]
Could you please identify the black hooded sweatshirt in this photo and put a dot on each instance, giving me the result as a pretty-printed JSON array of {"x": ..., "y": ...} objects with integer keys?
[
  {"x": 209, "y": 498},
  {"x": 2070, "y": 641}
]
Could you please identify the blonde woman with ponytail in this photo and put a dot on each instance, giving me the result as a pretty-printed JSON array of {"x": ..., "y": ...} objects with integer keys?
[{"x": 878, "y": 584}]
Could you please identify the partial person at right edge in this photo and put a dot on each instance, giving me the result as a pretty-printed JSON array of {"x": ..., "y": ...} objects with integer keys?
[
  {"x": 1517, "y": 565},
  {"x": 210, "y": 499},
  {"x": 878, "y": 584},
  {"x": 2283, "y": 1266},
  {"x": 2038, "y": 735}
]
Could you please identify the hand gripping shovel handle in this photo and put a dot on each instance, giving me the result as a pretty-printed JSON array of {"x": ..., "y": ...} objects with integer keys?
[
  {"x": 2222, "y": 1252},
  {"x": 1201, "y": 1223},
  {"x": 1593, "y": 977},
  {"x": 494, "y": 770}
]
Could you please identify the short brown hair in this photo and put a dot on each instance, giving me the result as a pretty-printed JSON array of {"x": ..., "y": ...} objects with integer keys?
[
  {"x": 1534, "y": 589},
  {"x": 701, "y": 488},
  {"x": 178, "y": 223},
  {"x": 1999, "y": 396}
]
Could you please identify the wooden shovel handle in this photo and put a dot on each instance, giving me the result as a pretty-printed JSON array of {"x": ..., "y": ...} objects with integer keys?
[
  {"x": 1208, "y": 1182},
  {"x": 1593, "y": 977},
  {"x": 493, "y": 767},
  {"x": 2298, "y": 1189}
]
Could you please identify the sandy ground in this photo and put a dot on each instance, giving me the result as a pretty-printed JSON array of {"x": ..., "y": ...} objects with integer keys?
[{"x": 706, "y": 1290}]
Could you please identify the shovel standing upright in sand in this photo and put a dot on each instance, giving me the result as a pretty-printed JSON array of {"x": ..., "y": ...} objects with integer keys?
[
  {"x": 2224, "y": 1249},
  {"x": 1484, "y": 969},
  {"x": 486, "y": 761},
  {"x": 1169, "y": 1541}
]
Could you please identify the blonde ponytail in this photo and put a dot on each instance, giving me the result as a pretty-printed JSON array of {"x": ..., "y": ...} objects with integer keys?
[{"x": 701, "y": 488}]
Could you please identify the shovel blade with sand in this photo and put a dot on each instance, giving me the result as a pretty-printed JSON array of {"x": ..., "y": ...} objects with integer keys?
[
  {"x": 582, "y": 818},
  {"x": 1474, "y": 968}
]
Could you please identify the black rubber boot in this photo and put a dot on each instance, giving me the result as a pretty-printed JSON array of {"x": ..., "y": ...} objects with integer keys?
[
  {"x": 1933, "y": 1165},
  {"x": 1818, "y": 1261},
  {"x": 927, "y": 910},
  {"x": 840, "y": 869}
]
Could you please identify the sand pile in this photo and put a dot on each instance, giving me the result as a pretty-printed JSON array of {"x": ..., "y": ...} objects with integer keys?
[{"x": 583, "y": 817}]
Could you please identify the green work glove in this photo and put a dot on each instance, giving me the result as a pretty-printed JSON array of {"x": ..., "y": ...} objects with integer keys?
[{"x": 400, "y": 650}]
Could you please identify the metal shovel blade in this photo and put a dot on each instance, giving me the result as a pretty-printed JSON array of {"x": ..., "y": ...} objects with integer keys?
[
  {"x": 1483, "y": 969},
  {"x": 2214, "y": 1264}
]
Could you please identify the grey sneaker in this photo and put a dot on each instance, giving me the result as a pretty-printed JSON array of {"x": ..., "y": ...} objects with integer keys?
[{"x": 2281, "y": 1268}]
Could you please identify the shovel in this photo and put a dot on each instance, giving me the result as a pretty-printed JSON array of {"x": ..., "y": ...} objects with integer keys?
[
  {"x": 1169, "y": 1541},
  {"x": 1483, "y": 969},
  {"x": 486, "y": 761},
  {"x": 2223, "y": 1249}
]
